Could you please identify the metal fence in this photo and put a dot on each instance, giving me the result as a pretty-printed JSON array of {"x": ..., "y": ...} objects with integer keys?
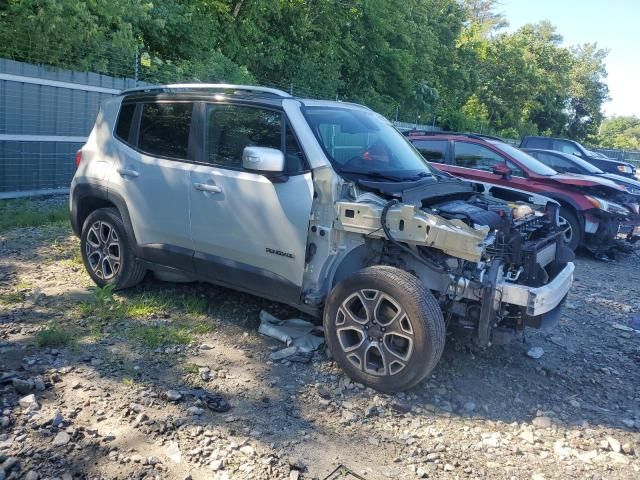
[
  {"x": 632, "y": 156},
  {"x": 45, "y": 116}
]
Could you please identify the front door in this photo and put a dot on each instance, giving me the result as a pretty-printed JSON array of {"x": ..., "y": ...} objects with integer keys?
[
  {"x": 476, "y": 162},
  {"x": 249, "y": 232}
]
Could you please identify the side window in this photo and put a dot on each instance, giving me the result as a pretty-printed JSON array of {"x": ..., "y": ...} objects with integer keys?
[
  {"x": 432, "y": 150},
  {"x": 231, "y": 128},
  {"x": 164, "y": 129},
  {"x": 538, "y": 142},
  {"x": 566, "y": 147},
  {"x": 516, "y": 171},
  {"x": 125, "y": 119},
  {"x": 557, "y": 163},
  {"x": 471, "y": 155}
]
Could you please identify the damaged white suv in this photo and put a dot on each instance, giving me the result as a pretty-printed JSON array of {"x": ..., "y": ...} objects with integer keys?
[{"x": 323, "y": 206}]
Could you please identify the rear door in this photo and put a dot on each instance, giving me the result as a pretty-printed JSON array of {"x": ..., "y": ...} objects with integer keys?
[
  {"x": 434, "y": 151},
  {"x": 248, "y": 231},
  {"x": 152, "y": 177}
]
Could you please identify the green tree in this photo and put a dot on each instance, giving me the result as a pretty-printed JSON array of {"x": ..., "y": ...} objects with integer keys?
[
  {"x": 620, "y": 132},
  {"x": 587, "y": 91},
  {"x": 416, "y": 57}
]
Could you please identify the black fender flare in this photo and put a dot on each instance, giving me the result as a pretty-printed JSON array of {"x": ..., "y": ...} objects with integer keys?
[{"x": 90, "y": 192}]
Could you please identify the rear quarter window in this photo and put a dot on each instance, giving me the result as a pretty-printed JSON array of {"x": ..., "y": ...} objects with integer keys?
[{"x": 124, "y": 122}]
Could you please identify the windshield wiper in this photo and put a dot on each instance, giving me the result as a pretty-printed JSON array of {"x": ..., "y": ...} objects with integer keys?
[
  {"x": 418, "y": 176},
  {"x": 382, "y": 176},
  {"x": 376, "y": 175}
]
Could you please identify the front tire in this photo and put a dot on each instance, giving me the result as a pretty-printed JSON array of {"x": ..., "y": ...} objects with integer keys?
[
  {"x": 106, "y": 251},
  {"x": 573, "y": 236},
  {"x": 384, "y": 328}
]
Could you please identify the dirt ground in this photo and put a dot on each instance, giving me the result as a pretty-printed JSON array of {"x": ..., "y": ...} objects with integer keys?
[{"x": 101, "y": 385}]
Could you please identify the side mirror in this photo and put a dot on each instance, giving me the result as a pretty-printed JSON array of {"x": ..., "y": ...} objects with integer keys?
[
  {"x": 268, "y": 161},
  {"x": 501, "y": 169}
]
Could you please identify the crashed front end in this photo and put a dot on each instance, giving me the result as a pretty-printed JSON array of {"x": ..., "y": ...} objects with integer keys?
[
  {"x": 495, "y": 266},
  {"x": 612, "y": 223}
]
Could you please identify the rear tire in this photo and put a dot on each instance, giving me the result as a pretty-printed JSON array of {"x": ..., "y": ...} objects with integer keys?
[
  {"x": 384, "y": 328},
  {"x": 573, "y": 238},
  {"x": 106, "y": 251}
]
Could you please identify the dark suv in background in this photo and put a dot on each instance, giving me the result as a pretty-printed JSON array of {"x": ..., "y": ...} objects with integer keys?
[{"x": 574, "y": 148}]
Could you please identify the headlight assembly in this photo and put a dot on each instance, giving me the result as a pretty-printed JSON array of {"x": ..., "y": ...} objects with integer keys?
[{"x": 607, "y": 206}]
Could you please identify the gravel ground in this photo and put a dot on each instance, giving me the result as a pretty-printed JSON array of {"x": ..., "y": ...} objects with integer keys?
[{"x": 96, "y": 385}]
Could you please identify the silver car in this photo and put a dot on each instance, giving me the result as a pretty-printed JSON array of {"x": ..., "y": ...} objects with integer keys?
[{"x": 323, "y": 206}]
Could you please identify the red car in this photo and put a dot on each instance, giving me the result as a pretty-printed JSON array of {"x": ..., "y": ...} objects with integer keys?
[{"x": 591, "y": 208}]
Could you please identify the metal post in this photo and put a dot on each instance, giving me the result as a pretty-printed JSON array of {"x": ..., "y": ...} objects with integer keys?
[
  {"x": 291, "y": 89},
  {"x": 135, "y": 68}
]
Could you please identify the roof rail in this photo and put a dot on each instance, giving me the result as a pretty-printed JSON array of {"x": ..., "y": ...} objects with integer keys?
[
  {"x": 209, "y": 86},
  {"x": 482, "y": 135},
  {"x": 425, "y": 132}
]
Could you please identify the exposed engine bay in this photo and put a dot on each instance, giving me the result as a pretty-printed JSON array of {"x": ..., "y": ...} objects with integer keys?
[{"x": 479, "y": 254}]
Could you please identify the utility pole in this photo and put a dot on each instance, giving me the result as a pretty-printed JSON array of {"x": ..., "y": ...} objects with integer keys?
[{"x": 135, "y": 67}]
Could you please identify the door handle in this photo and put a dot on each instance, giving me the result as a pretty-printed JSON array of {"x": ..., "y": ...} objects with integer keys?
[
  {"x": 125, "y": 172},
  {"x": 205, "y": 187}
]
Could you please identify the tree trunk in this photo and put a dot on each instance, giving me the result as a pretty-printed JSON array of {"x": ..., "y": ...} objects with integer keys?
[{"x": 236, "y": 9}]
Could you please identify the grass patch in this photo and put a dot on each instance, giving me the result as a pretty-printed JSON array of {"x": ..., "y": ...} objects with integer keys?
[
  {"x": 54, "y": 336},
  {"x": 190, "y": 368},
  {"x": 179, "y": 332},
  {"x": 23, "y": 285},
  {"x": 146, "y": 305},
  {"x": 11, "y": 298},
  {"x": 75, "y": 260},
  {"x": 105, "y": 308},
  {"x": 158, "y": 336},
  {"x": 194, "y": 305},
  {"x": 30, "y": 213}
]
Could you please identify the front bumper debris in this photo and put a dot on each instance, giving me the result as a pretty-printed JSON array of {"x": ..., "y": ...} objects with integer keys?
[
  {"x": 630, "y": 228},
  {"x": 538, "y": 300}
]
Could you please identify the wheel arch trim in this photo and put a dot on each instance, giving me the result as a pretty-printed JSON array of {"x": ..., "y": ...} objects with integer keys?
[{"x": 85, "y": 192}]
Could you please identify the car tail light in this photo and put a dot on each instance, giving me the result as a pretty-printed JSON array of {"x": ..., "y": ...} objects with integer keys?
[{"x": 78, "y": 157}]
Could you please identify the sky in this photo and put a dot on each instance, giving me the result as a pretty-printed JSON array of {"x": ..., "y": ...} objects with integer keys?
[{"x": 612, "y": 24}]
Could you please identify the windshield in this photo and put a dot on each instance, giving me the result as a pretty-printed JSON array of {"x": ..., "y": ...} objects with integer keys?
[
  {"x": 585, "y": 165},
  {"x": 599, "y": 155},
  {"x": 363, "y": 142},
  {"x": 525, "y": 159}
]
